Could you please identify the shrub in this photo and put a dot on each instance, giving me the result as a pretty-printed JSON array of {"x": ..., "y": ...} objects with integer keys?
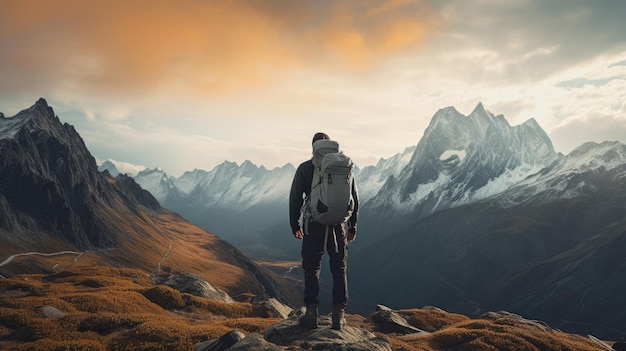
[{"x": 164, "y": 296}]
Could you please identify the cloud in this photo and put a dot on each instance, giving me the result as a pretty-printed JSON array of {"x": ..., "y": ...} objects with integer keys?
[
  {"x": 596, "y": 128},
  {"x": 124, "y": 167},
  {"x": 207, "y": 47},
  {"x": 521, "y": 41},
  {"x": 190, "y": 83}
]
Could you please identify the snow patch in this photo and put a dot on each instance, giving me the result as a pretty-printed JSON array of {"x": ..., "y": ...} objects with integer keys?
[
  {"x": 422, "y": 192},
  {"x": 505, "y": 181},
  {"x": 9, "y": 127},
  {"x": 449, "y": 153}
]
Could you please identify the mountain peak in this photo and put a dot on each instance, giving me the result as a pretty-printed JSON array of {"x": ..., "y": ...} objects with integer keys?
[
  {"x": 40, "y": 108},
  {"x": 42, "y": 102},
  {"x": 480, "y": 108},
  {"x": 532, "y": 123}
]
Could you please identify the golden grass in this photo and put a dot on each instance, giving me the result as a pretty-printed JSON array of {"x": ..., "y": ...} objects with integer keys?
[
  {"x": 502, "y": 334},
  {"x": 113, "y": 309},
  {"x": 143, "y": 238},
  {"x": 121, "y": 309},
  {"x": 431, "y": 320}
]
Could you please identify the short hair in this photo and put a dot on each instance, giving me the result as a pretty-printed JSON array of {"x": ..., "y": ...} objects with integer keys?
[{"x": 320, "y": 136}]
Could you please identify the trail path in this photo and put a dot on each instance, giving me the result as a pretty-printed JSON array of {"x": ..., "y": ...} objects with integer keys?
[{"x": 10, "y": 258}]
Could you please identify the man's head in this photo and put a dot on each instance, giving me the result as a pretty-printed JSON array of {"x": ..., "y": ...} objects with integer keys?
[{"x": 320, "y": 136}]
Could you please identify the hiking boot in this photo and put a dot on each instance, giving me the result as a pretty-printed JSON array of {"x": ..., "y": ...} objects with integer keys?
[
  {"x": 309, "y": 319},
  {"x": 338, "y": 317}
]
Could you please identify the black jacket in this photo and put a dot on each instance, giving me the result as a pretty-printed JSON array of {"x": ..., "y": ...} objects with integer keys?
[{"x": 302, "y": 185}]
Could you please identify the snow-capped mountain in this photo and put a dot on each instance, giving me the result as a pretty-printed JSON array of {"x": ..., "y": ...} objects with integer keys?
[
  {"x": 238, "y": 202},
  {"x": 188, "y": 181},
  {"x": 241, "y": 187},
  {"x": 109, "y": 167},
  {"x": 550, "y": 247},
  {"x": 568, "y": 177},
  {"x": 158, "y": 183},
  {"x": 459, "y": 160},
  {"x": 227, "y": 186},
  {"x": 372, "y": 178},
  {"x": 462, "y": 159}
]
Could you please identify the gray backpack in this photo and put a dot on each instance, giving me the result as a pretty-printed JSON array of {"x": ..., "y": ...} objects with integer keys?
[{"x": 330, "y": 201}]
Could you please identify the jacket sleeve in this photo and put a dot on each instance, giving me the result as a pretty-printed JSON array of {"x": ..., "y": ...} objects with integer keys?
[
  {"x": 298, "y": 188},
  {"x": 355, "y": 214}
]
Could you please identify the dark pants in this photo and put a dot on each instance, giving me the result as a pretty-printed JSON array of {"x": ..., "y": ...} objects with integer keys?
[{"x": 312, "y": 251}]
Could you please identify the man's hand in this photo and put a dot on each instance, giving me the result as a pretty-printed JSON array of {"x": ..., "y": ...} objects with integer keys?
[
  {"x": 351, "y": 235},
  {"x": 298, "y": 234}
]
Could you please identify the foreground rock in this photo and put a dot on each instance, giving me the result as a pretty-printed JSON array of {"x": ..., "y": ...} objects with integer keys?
[
  {"x": 272, "y": 306},
  {"x": 193, "y": 284},
  {"x": 289, "y": 335},
  {"x": 387, "y": 320}
]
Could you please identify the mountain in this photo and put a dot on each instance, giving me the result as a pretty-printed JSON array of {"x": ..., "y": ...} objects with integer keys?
[
  {"x": 160, "y": 185},
  {"x": 460, "y": 159},
  {"x": 109, "y": 167},
  {"x": 550, "y": 248},
  {"x": 244, "y": 204},
  {"x": 53, "y": 200},
  {"x": 247, "y": 204},
  {"x": 372, "y": 178}
]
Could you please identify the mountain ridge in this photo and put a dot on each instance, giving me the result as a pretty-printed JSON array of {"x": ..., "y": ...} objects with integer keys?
[{"x": 53, "y": 198}]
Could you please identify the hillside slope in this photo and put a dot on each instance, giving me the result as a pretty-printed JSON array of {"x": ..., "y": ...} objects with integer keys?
[{"x": 53, "y": 199}]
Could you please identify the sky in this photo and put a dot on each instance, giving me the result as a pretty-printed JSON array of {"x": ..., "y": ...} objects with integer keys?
[{"x": 185, "y": 84}]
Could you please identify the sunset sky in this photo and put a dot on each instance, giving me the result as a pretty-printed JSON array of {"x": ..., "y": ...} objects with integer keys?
[{"x": 190, "y": 83}]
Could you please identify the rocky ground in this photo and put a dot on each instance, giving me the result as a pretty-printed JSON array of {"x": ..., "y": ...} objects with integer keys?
[{"x": 102, "y": 308}]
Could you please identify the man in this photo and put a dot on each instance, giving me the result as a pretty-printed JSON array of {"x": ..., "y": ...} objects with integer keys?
[{"x": 314, "y": 236}]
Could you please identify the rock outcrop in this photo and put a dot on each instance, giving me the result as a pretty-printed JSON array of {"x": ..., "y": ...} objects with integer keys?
[
  {"x": 289, "y": 335},
  {"x": 193, "y": 284}
]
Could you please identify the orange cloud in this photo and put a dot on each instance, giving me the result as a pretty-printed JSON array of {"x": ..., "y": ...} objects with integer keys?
[{"x": 140, "y": 46}]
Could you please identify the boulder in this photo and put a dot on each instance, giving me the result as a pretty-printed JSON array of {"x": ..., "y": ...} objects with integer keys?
[
  {"x": 193, "y": 284},
  {"x": 290, "y": 333},
  {"x": 255, "y": 342},
  {"x": 220, "y": 344},
  {"x": 51, "y": 312},
  {"x": 274, "y": 307},
  {"x": 387, "y": 320}
]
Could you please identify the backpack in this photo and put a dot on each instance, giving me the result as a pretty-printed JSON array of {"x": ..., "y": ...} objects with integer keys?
[{"x": 330, "y": 201}]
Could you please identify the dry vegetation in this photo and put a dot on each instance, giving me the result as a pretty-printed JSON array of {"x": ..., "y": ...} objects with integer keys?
[
  {"x": 107, "y": 308},
  {"x": 457, "y": 332},
  {"x": 113, "y": 309},
  {"x": 143, "y": 242}
]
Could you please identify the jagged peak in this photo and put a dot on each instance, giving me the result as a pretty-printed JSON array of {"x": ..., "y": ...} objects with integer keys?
[
  {"x": 532, "y": 123},
  {"x": 481, "y": 115},
  {"x": 248, "y": 163},
  {"x": 40, "y": 107},
  {"x": 41, "y": 102},
  {"x": 195, "y": 171},
  {"x": 39, "y": 116},
  {"x": 227, "y": 163},
  {"x": 447, "y": 110},
  {"x": 594, "y": 147},
  {"x": 480, "y": 108},
  {"x": 442, "y": 115}
]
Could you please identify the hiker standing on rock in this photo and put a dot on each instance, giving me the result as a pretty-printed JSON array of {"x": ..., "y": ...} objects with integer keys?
[{"x": 325, "y": 219}]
